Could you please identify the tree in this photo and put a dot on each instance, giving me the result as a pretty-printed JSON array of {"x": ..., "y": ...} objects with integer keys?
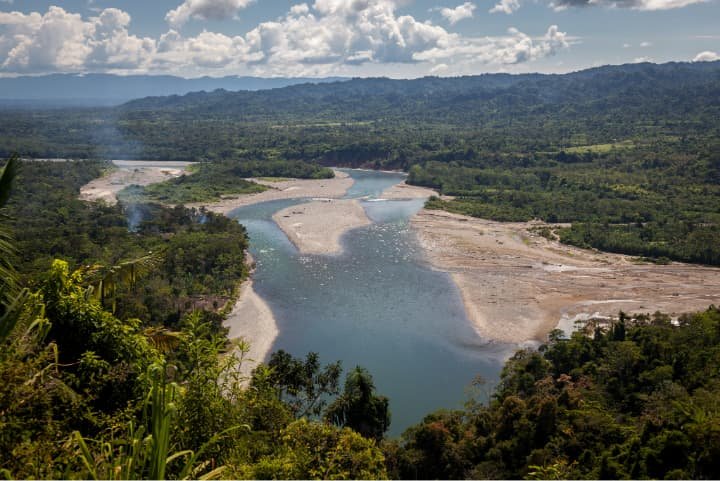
[
  {"x": 359, "y": 408},
  {"x": 312, "y": 450},
  {"x": 11, "y": 296},
  {"x": 302, "y": 385}
]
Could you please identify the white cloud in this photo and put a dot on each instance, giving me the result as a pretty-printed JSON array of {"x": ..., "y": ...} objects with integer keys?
[
  {"x": 645, "y": 44},
  {"x": 506, "y": 6},
  {"x": 205, "y": 10},
  {"x": 626, "y": 45},
  {"x": 461, "y": 12},
  {"x": 706, "y": 56},
  {"x": 62, "y": 41},
  {"x": 354, "y": 32},
  {"x": 642, "y": 59},
  {"x": 646, "y": 5},
  {"x": 327, "y": 37},
  {"x": 515, "y": 48},
  {"x": 663, "y": 4}
]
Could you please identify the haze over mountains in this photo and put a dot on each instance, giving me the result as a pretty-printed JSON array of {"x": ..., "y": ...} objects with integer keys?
[{"x": 107, "y": 90}]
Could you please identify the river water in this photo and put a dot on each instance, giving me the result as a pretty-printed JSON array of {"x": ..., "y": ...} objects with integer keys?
[{"x": 377, "y": 305}]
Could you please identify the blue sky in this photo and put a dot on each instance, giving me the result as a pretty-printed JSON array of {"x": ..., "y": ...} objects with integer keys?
[{"x": 396, "y": 38}]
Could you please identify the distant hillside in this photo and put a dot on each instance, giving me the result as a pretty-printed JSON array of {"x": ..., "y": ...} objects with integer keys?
[
  {"x": 635, "y": 89},
  {"x": 105, "y": 90},
  {"x": 388, "y": 123}
]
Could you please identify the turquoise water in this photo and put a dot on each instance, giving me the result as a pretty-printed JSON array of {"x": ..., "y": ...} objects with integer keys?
[{"x": 377, "y": 305}]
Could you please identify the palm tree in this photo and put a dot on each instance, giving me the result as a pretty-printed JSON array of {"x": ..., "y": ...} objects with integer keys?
[
  {"x": 105, "y": 280},
  {"x": 11, "y": 296}
]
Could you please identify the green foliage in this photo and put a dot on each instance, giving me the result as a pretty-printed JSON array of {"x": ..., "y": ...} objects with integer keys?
[
  {"x": 636, "y": 399},
  {"x": 135, "y": 455},
  {"x": 359, "y": 407},
  {"x": 203, "y": 254},
  {"x": 312, "y": 450},
  {"x": 11, "y": 297},
  {"x": 624, "y": 203},
  {"x": 303, "y": 385}
]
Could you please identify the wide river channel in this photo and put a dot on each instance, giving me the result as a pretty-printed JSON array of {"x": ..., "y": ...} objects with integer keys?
[{"x": 377, "y": 305}]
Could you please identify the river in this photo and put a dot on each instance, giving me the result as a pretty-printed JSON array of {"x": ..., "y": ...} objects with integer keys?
[{"x": 377, "y": 305}]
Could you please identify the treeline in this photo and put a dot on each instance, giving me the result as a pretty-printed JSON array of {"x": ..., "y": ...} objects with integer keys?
[
  {"x": 656, "y": 200},
  {"x": 681, "y": 241}
]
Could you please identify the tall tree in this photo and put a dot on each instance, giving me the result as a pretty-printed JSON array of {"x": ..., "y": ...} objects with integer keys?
[{"x": 359, "y": 407}]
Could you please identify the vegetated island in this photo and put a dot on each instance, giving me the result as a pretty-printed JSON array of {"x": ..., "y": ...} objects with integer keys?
[{"x": 334, "y": 187}]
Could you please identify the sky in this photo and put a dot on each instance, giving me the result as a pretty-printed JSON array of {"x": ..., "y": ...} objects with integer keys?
[{"x": 319, "y": 38}]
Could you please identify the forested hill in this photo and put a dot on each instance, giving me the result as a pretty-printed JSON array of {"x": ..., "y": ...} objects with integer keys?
[{"x": 645, "y": 90}]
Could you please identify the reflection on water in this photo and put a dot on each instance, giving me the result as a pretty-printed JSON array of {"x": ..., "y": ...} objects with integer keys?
[{"x": 376, "y": 305}]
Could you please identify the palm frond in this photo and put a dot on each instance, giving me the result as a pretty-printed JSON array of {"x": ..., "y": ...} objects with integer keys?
[
  {"x": 163, "y": 339},
  {"x": 104, "y": 281},
  {"x": 6, "y": 178}
]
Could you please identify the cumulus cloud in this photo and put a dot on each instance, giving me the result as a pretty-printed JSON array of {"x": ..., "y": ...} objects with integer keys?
[
  {"x": 506, "y": 6},
  {"x": 461, "y": 12},
  {"x": 707, "y": 56},
  {"x": 325, "y": 37},
  {"x": 362, "y": 31},
  {"x": 510, "y": 6},
  {"x": 647, "y": 5},
  {"x": 205, "y": 10},
  {"x": 62, "y": 41},
  {"x": 514, "y": 48}
]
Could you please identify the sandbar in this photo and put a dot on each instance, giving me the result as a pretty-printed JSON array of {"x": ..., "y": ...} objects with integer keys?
[
  {"x": 316, "y": 227},
  {"x": 517, "y": 285},
  {"x": 406, "y": 191}
]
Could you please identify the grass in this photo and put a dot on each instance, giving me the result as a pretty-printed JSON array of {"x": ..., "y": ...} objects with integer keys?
[
  {"x": 601, "y": 148},
  {"x": 274, "y": 179}
]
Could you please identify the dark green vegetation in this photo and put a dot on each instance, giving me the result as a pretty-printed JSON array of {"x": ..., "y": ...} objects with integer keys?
[
  {"x": 200, "y": 256},
  {"x": 630, "y": 154},
  {"x": 211, "y": 181},
  {"x": 637, "y": 399},
  {"x": 113, "y": 364}
]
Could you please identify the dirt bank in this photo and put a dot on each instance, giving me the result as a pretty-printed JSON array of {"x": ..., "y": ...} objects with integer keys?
[{"x": 517, "y": 285}]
